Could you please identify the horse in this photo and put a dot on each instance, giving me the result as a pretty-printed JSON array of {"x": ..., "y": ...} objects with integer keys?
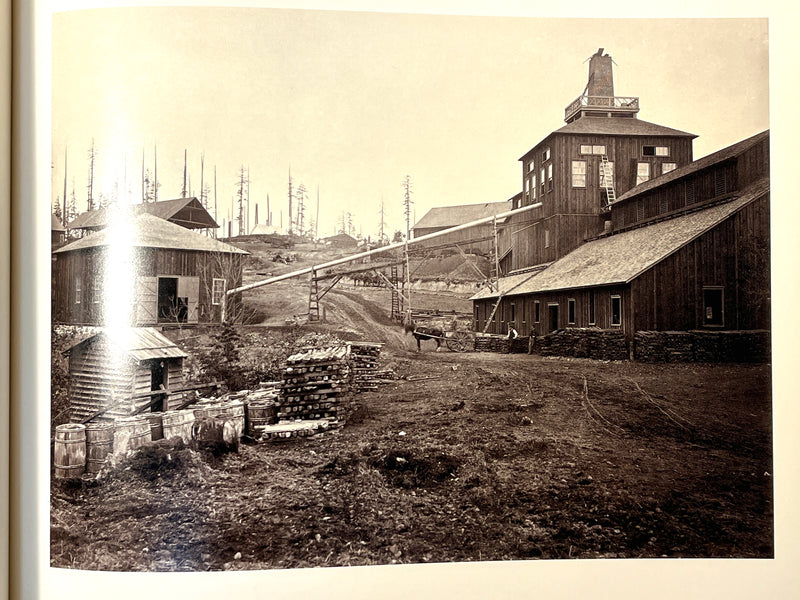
[{"x": 420, "y": 332}]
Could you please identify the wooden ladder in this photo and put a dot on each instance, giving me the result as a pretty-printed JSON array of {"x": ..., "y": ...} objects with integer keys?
[
  {"x": 397, "y": 304},
  {"x": 607, "y": 181},
  {"x": 313, "y": 298}
]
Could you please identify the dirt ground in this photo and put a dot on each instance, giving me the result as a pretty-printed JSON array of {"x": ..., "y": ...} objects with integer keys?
[{"x": 463, "y": 457}]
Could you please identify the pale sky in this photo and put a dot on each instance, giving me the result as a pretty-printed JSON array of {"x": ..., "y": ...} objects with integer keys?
[{"x": 352, "y": 102}]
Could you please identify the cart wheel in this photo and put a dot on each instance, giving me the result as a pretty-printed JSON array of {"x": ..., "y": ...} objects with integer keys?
[{"x": 461, "y": 341}]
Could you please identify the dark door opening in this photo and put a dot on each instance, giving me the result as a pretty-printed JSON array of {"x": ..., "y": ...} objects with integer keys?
[
  {"x": 552, "y": 317},
  {"x": 157, "y": 374},
  {"x": 171, "y": 308},
  {"x": 713, "y": 313}
]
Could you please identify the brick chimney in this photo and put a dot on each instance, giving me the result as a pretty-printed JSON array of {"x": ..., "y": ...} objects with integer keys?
[{"x": 601, "y": 75}]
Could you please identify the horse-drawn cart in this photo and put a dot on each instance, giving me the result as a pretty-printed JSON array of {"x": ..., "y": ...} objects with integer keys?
[{"x": 455, "y": 338}]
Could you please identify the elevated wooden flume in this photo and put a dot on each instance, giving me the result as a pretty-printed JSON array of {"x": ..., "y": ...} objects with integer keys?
[{"x": 361, "y": 255}]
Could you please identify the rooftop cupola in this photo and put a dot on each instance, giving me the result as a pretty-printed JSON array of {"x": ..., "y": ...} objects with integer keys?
[{"x": 598, "y": 99}]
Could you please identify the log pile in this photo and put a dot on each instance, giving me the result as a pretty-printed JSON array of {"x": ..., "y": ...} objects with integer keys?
[
  {"x": 486, "y": 342},
  {"x": 363, "y": 358},
  {"x": 314, "y": 385},
  {"x": 584, "y": 342}
]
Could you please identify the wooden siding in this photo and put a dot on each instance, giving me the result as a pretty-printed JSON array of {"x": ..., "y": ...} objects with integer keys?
[
  {"x": 687, "y": 193},
  {"x": 94, "y": 381},
  {"x": 87, "y": 266},
  {"x": 734, "y": 256},
  {"x": 579, "y": 209},
  {"x": 463, "y": 238},
  {"x": 669, "y": 296}
]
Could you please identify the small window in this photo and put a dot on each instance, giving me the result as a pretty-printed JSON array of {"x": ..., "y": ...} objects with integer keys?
[
  {"x": 655, "y": 151},
  {"x": 513, "y": 313},
  {"x": 606, "y": 174},
  {"x": 530, "y": 167},
  {"x": 542, "y": 181},
  {"x": 591, "y": 307},
  {"x": 533, "y": 187},
  {"x": 616, "y": 311},
  {"x": 590, "y": 149},
  {"x": 546, "y": 238},
  {"x": 667, "y": 167},
  {"x": 77, "y": 290},
  {"x": 713, "y": 306},
  {"x": 218, "y": 291},
  {"x": 571, "y": 311},
  {"x": 546, "y": 154},
  {"x": 719, "y": 182},
  {"x": 536, "y": 311},
  {"x": 96, "y": 290},
  {"x": 579, "y": 173},
  {"x": 550, "y": 177},
  {"x": 642, "y": 172}
]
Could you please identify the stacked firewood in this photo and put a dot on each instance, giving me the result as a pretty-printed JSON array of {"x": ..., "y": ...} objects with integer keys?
[
  {"x": 485, "y": 342},
  {"x": 364, "y": 365},
  {"x": 584, "y": 342},
  {"x": 314, "y": 383}
]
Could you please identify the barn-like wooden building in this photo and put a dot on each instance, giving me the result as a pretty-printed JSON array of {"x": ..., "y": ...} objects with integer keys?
[
  {"x": 186, "y": 212},
  {"x": 113, "y": 372},
  {"x": 688, "y": 250},
  {"x": 477, "y": 240},
  {"x": 177, "y": 276}
]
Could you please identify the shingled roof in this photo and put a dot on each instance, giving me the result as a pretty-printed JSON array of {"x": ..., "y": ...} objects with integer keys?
[
  {"x": 615, "y": 126},
  {"x": 140, "y": 343},
  {"x": 620, "y": 258},
  {"x": 449, "y": 216},
  {"x": 697, "y": 165},
  {"x": 187, "y": 212},
  {"x": 148, "y": 231}
]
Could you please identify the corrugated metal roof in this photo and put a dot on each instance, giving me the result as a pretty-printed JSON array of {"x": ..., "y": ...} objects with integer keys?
[
  {"x": 696, "y": 165},
  {"x": 148, "y": 231},
  {"x": 620, "y": 258},
  {"x": 140, "y": 343},
  {"x": 175, "y": 210},
  {"x": 614, "y": 126},
  {"x": 449, "y": 216}
]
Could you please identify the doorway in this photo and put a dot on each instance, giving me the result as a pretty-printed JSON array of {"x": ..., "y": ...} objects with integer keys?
[
  {"x": 552, "y": 317},
  {"x": 157, "y": 382},
  {"x": 171, "y": 308}
]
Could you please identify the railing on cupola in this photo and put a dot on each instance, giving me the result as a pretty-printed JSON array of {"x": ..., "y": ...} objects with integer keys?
[{"x": 605, "y": 103}]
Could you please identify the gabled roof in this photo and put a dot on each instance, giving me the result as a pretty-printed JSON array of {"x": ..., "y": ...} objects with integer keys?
[
  {"x": 615, "y": 126},
  {"x": 620, "y": 258},
  {"x": 148, "y": 231},
  {"x": 696, "y": 165},
  {"x": 139, "y": 343},
  {"x": 341, "y": 237},
  {"x": 187, "y": 212},
  {"x": 264, "y": 229},
  {"x": 449, "y": 216},
  {"x": 55, "y": 223}
]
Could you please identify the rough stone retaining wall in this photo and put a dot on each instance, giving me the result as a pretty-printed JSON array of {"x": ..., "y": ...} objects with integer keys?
[
  {"x": 702, "y": 346},
  {"x": 584, "y": 342}
]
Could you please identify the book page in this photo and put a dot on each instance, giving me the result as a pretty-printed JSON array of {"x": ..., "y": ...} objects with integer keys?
[{"x": 238, "y": 158}]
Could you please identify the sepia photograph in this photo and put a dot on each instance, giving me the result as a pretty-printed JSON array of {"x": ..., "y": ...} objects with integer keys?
[{"x": 345, "y": 289}]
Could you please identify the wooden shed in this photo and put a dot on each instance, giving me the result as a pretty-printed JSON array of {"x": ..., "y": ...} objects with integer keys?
[
  {"x": 177, "y": 276},
  {"x": 186, "y": 212},
  {"x": 115, "y": 370},
  {"x": 478, "y": 239}
]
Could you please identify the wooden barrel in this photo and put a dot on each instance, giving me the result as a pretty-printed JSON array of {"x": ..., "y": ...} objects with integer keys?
[
  {"x": 260, "y": 414},
  {"x": 69, "y": 454},
  {"x": 99, "y": 444},
  {"x": 178, "y": 423},
  {"x": 130, "y": 433},
  {"x": 156, "y": 425},
  {"x": 205, "y": 411}
]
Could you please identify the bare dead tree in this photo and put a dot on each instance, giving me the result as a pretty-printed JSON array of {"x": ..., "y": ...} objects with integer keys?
[{"x": 92, "y": 155}]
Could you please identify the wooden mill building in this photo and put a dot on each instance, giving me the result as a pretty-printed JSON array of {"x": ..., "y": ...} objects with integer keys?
[
  {"x": 687, "y": 250},
  {"x": 478, "y": 239},
  {"x": 177, "y": 276},
  {"x": 186, "y": 212},
  {"x": 577, "y": 171},
  {"x": 113, "y": 371}
]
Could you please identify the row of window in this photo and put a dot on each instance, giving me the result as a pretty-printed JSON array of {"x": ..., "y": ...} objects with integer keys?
[{"x": 606, "y": 172}]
